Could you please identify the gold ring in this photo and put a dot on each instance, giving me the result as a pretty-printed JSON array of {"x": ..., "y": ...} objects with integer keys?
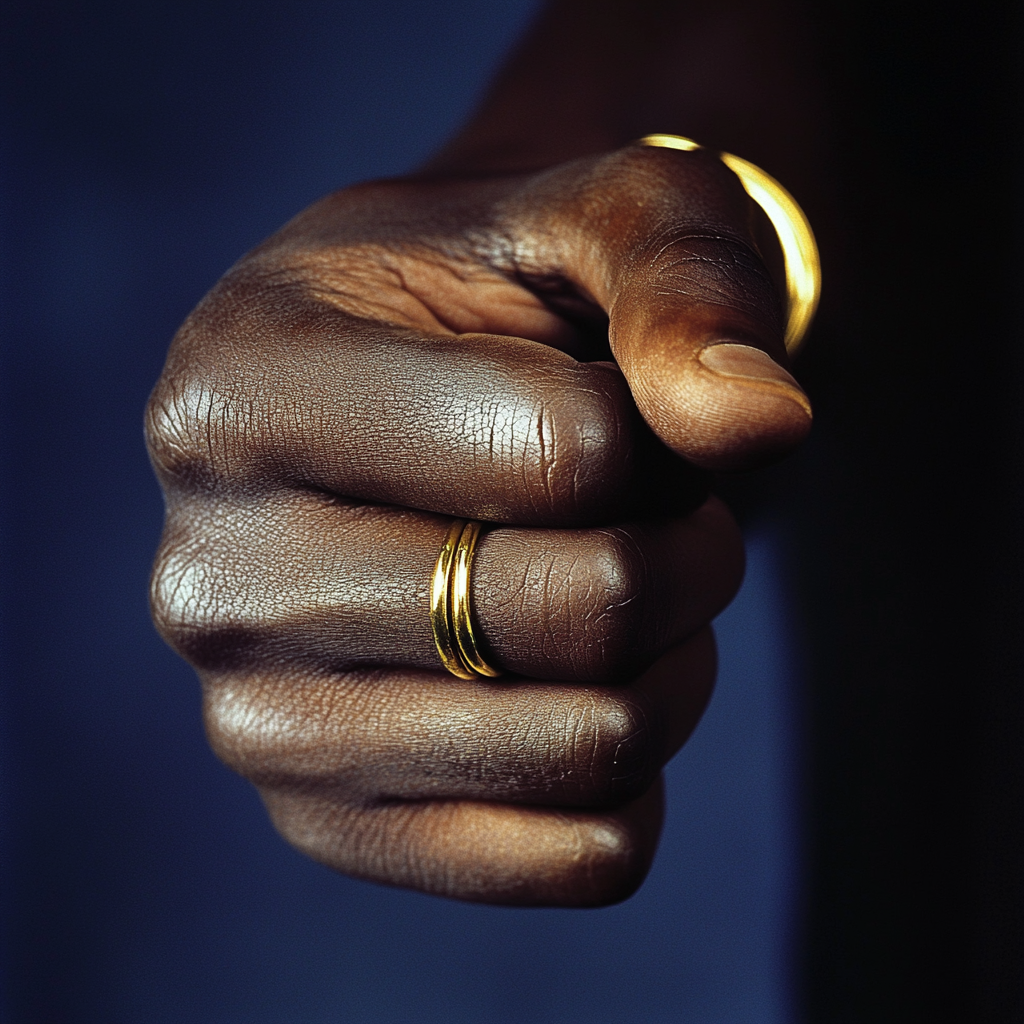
[
  {"x": 440, "y": 604},
  {"x": 451, "y": 617},
  {"x": 799, "y": 248}
]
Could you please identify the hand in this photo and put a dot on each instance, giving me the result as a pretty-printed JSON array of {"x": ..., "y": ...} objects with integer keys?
[{"x": 408, "y": 351}]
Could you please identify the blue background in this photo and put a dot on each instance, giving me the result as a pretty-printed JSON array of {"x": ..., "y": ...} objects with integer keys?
[{"x": 147, "y": 147}]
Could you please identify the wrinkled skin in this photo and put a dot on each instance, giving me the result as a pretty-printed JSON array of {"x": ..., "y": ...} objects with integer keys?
[{"x": 532, "y": 351}]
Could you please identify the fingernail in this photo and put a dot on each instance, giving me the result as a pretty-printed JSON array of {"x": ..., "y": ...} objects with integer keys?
[{"x": 749, "y": 363}]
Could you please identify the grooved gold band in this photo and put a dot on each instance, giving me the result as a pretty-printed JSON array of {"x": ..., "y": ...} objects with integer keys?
[
  {"x": 451, "y": 617},
  {"x": 440, "y": 604},
  {"x": 799, "y": 248}
]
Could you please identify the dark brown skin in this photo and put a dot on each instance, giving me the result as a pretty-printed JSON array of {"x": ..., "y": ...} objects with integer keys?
[{"x": 552, "y": 351}]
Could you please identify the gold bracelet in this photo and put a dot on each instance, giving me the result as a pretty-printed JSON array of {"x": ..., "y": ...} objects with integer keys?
[{"x": 799, "y": 248}]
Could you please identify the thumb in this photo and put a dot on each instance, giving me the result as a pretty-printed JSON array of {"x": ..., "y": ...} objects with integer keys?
[{"x": 665, "y": 242}]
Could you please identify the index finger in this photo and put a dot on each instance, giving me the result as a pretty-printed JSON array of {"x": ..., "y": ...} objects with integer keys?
[{"x": 260, "y": 394}]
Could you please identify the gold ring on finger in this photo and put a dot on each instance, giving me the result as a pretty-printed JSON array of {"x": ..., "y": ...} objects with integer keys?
[{"x": 457, "y": 637}]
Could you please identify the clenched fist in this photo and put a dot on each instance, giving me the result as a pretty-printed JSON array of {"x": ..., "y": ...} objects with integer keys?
[{"x": 563, "y": 355}]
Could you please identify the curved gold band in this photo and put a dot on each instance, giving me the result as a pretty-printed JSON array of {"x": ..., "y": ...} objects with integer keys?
[
  {"x": 799, "y": 248},
  {"x": 451, "y": 618},
  {"x": 440, "y": 604}
]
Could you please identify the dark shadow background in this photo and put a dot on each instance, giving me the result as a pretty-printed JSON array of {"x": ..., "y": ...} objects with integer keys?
[{"x": 148, "y": 146}]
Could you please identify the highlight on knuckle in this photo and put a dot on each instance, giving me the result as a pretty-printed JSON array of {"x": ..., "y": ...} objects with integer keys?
[
  {"x": 187, "y": 433},
  {"x": 237, "y": 723},
  {"x": 603, "y": 860},
  {"x": 252, "y": 732},
  {"x": 193, "y": 604},
  {"x": 616, "y": 865}
]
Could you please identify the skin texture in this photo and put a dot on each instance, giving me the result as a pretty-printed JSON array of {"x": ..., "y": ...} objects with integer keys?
[{"x": 530, "y": 349}]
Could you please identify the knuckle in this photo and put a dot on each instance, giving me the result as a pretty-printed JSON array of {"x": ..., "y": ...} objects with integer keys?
[
  {"x": 168, "y": 439},
  {"x": 179, "y": 419},
  {"x": 321, "y": 826},
  {"x": 613, "y": 605},
  {"x": 237, "y": 724},
  {"x": 614, "y": 748},
  {"x": 709, "y": 268},
  {"x": 578, "y": 451},
  {"x": 192, "y": 602},
  {"x": 179, "y": 590},
  {"x": 191, "y": 429},
  {"x": 208, "y": 415},
  {"x": 616, "y": 864},
  {"x": 278, "y": 730},
  {"x": 251, "y": 732},
  {"x": 696, "y": 241}
]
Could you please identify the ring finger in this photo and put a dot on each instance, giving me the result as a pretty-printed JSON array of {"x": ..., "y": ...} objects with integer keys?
[{"x": 307, "y": 579}]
